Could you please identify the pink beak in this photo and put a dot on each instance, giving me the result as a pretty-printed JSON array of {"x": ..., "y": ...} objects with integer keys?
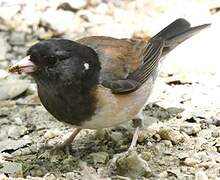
[{"x": 24, "y": 65}]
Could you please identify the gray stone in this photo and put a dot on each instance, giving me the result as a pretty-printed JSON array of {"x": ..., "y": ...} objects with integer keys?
[
  {"x": 146, "y": 155},
  {"x": 12, "y": 168},
  {"x": 16, "y": 131},
  {"x": 116, "y": 136},
  {"x": 71, "y": 176},
  {"x": 9, "y": 144},
  {"x": 3, "y": 135},
  {"x": 102, "y": 134},
  {"x": 100, "y": 157},
  {"x": 17, "y": 38},
  {"x": 190, "y": 128},
  {"x": 216, "y": 133},
  {"x": 174, "y": 110},
  {"x": 133, "y": 166},
  {"x": 20, "y": 50},
  {"x": 4, "y": 47},
  {"x": 10, "y": 88}
]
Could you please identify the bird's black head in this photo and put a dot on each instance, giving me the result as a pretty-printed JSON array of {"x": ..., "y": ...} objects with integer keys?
[
  {"x": 67, "y": 74},
  {"x": 62, "y": 61}
]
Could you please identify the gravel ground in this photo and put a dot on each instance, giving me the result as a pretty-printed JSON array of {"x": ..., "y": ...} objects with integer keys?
[{"x": 183, "y": 141}]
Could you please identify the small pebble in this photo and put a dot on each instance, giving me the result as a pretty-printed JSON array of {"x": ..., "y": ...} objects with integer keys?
[
  {"x": 191, "y": 161},
  {"x": 18, "y": 121},
  {"x": 146, "y": 155},
  {"x": 102, "y": 133},
  {"x": 12, "y": 168},
  {"x": 183, "y": 155},
  {"x": 190, "y": 128},
  {"x": 100, "y": 157},
  {"x": 216, "y": 133},
  {"x": 174, "y": 110},
  {"x": 16, "y": 131},
  {"x": 170, "y": 134},
  {"x": 133, "y": 166},
  {"x": 17, "y": 38},
  {"x": 11, "y": 88},
  {"x": 116, "y": 136},
  {"x": 51, "y": 133},
  {"x": 167, "y": 143},
  {"x": 49, "y": 176},
  {"x": 4, "y": 47}
]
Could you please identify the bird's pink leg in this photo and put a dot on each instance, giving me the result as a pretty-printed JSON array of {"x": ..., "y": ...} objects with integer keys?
[
  {"x": 65, "y": 145},
  {"x": 137, "y": 124}
]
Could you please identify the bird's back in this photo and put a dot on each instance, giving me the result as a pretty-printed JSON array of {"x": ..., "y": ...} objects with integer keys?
[{"x": 118, "y": 57}]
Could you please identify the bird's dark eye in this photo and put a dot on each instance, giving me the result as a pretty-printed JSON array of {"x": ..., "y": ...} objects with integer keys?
[{"x": 52, "y": 60}]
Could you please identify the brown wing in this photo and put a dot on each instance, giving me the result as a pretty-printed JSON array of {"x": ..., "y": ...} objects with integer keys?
[{"x": 118, "y": 57}]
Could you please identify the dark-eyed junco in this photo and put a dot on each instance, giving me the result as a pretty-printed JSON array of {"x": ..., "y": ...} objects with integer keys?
[{"x": 98, "y": 82}]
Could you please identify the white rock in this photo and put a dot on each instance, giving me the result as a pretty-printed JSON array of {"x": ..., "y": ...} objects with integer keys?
[
  {"x": 16, "y": 131},
  {"x": 94, "y": 2},
  {"x": 10, "y": 88},
  {"x": 191, "y": 161},
  {"x": 163, "y": 174},
  {"x": 102, "y": 8},
  {"x": 216, "y": 132},
  {"x": 2, "y": 158},
  {"x": 8, "y": 12},
  {"x": 31, "y": 16},
  {"x": 3, "y": 177},
  {"x": 167, "y": 143},
  {"x": 65, "y": 24},
  {"x": 77, "y": 4},
  {"x": 11, "y": 168},
  {"x": 190, "y": 128},
  {"x": 201, "y": 175},
  {"x": 3, "y": 47},
  {"x": 3, "y": 74},
  {"x": 18, "y": 121},
  {"x": 51, "y": 133}
]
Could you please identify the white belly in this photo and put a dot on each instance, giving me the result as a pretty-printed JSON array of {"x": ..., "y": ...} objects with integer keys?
[{"x": 113, "y": 109}]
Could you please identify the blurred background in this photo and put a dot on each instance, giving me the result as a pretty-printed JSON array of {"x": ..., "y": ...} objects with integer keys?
[
  {"x": 23, "y": 23},
  {"x": 189, "y": 78}
]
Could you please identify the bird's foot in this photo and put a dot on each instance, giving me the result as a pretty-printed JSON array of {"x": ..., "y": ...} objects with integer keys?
[
  {"x": 64, "y": 146},
  {"x": 137, "y": 123}
]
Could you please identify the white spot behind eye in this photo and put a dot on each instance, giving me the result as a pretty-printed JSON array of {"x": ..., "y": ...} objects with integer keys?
[{"x": 86, "y": 65}]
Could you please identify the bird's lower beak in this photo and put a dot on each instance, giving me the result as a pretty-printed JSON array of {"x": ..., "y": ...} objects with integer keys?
[{"x": 24, "y": 65}]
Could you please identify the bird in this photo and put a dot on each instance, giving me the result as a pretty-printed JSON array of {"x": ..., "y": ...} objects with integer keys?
[{"x": 99, "y": 81}]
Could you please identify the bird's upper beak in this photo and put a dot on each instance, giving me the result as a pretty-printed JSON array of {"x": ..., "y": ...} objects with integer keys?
[{"x": 24, "y": 65}]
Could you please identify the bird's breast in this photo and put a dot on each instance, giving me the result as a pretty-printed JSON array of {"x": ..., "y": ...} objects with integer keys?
[
  {"x": 113, "y": 109},
  {"x": 99, "y": 109}
]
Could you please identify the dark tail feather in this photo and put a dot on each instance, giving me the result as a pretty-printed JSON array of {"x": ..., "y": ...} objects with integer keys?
[{"x": 176, "y": 33}]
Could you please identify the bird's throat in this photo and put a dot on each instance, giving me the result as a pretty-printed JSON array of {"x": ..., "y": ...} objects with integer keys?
[{"x": 68, "y": 104}]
